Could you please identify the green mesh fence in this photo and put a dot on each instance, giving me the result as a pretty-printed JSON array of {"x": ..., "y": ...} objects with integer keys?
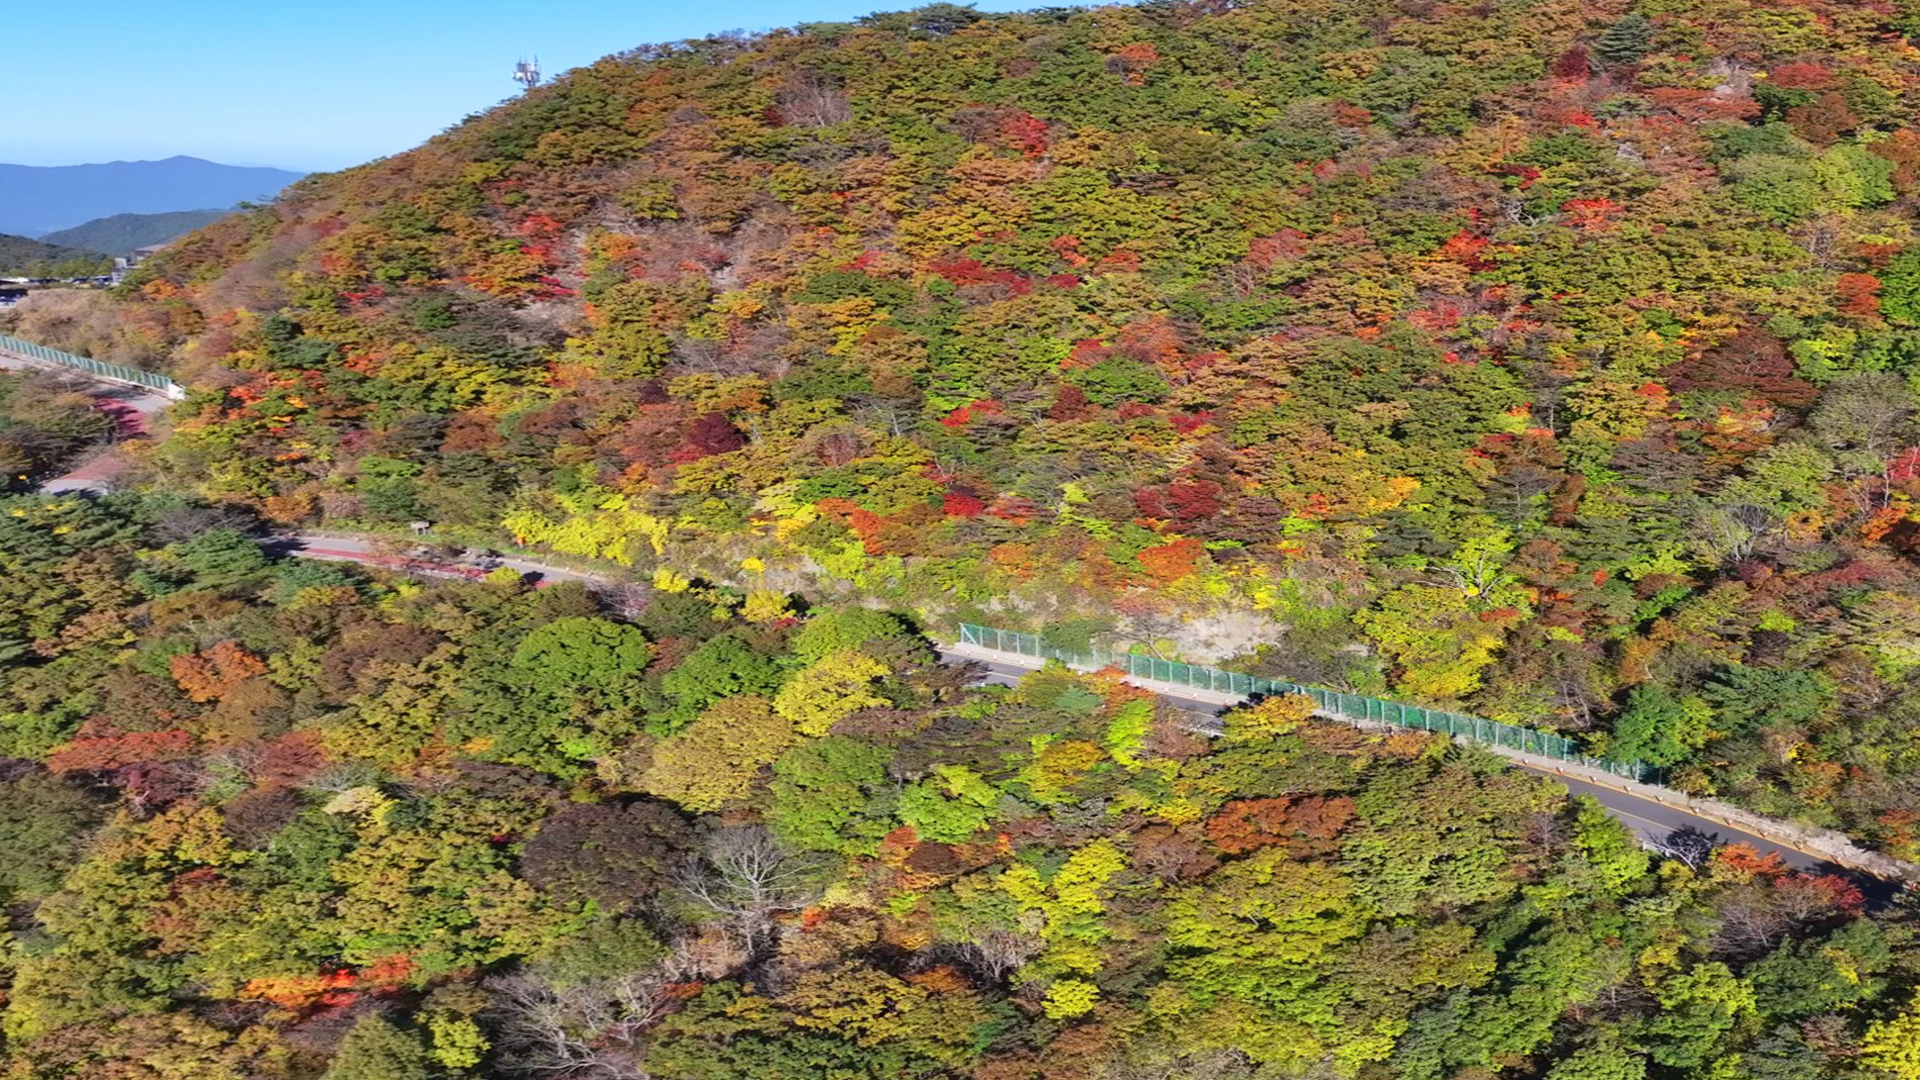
[
  {"x": 1332, "y": 702},
  {"x": 96, "y": 368}
]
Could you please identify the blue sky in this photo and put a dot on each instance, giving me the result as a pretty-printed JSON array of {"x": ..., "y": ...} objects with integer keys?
[{"x": 313, "y": 84}]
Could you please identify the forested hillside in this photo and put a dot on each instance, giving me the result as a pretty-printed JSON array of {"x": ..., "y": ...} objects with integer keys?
[
  {"x": 122, "y": 233},
  {"x": 21, "y": 257},
  {"x": 1550, "y": 359},
  {"x": 278, "y": 820},
  {"x": 44, "y": 426}
]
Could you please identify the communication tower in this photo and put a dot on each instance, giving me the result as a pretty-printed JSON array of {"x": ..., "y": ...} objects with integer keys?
[{"x": 527, "y": 73}]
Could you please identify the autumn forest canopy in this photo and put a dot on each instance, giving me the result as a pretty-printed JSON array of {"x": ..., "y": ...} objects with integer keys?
[
  {"x": 1554, "y": 361},
  {"x": 276, "y": 818}
]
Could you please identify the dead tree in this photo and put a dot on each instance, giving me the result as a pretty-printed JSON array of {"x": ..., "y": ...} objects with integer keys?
[
  {"x": 746, "y": 879},
  {"x": 583, "y": 1030}
]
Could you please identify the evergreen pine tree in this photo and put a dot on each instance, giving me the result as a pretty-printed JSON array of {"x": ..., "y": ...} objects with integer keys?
[
  {"x": 377, "y": 1050},
  {"x": 1625, "y": 41}
]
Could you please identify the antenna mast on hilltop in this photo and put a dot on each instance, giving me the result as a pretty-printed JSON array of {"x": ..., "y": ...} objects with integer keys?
[{"x": 527, "y": 73}]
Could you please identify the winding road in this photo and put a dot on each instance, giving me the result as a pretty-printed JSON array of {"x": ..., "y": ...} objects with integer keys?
[
  {"x": 128, "y": 406},
  {"x": 1669, "y": 829},
  {"x": 337, "y": 548}
]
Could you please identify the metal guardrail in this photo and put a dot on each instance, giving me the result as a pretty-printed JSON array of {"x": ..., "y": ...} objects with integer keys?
[
  {"x": 96, "y": 368},
  {"x": 1346, "y": 706}
]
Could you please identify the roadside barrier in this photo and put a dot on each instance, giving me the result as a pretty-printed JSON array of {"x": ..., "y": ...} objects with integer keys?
[
  {"x": 96, "y": 368},
  {"x": 1346, "y": 706}
]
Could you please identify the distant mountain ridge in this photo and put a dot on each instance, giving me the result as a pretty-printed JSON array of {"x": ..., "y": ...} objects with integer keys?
[
  {"x": 37, "y": 200},
  {"x": 121, "y": 233}
]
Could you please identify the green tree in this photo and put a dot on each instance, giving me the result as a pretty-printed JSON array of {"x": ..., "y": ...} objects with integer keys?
[
  {"x": 1854, "y": 176},
  {"x": 1659, "y": 728},
  {"x": 1801, "y": 979},
  {"x": 1747, "y": 698},
  {"x": 1626, "y": 41},
  {"x": 1600, "y": 1063},
  {"x": 377, "y": 1050},
  {"x": 579, "y": 654},
  {"x": 1266, "y": 934},
  {"x": 1698, "y": 1009},
  {"x": 948, "y": 811},
  {"x": 43, "y": 824},
  {"x": 1778, "y": 188},
  {"x": 1900, "y": 288},
  {"x": 822, "y": 795},
  {"x": 219, "y": 555},
  {"x": 722, "y": 667},
  {"x": 1115, "y": 379},
  {"x": 844, "y": 630}
]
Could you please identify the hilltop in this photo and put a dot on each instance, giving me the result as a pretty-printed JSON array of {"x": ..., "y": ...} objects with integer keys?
[
  {"x": 1546, "y": 359},
  {"x": 36, "y": 200},
  {"x": 1550, "y": 360}
]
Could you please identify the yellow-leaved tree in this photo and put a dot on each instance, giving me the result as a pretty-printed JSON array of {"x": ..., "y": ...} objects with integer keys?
[
  {"x": 1073, "y": 908},
  {"x": 713, "y": 762},
  {"x": 1893, "y": 1046},
  {"x": 1268, "y": 718},
  {"x": 836, "y": 686}
]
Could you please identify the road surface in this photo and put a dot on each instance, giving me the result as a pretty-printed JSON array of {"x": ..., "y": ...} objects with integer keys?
[
  {"x": 138, "y": 398},
  {"x": 356, "y": 549},
  {"x": 1665, "y": 828},
  {"x": 1668, "y": 829},
  {"x": 129, "y": 406}
]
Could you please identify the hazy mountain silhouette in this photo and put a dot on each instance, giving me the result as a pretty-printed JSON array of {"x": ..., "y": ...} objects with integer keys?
[
  {"x": 36, "y": 200},
  {"x": 121, "y": 233}
]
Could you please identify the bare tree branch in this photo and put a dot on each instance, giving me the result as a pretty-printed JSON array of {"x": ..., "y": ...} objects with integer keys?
[{"x": 746, "y": 878}]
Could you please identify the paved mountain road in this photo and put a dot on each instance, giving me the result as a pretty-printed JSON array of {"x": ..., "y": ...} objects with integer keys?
[
  {"x": 129, "y": 406},
  {"x": 1666, "y": 828},
  {"x": 339, "y": 548},
  {"x": 1661, "y": 826}
]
